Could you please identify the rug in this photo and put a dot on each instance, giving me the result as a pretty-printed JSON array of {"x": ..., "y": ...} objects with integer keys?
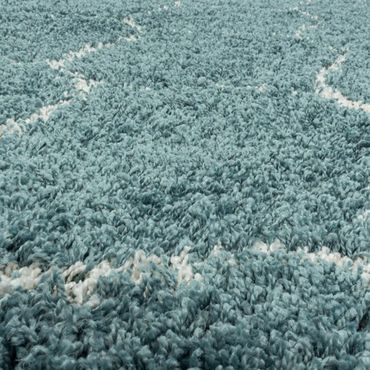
[{"x": 184, "y": 185}]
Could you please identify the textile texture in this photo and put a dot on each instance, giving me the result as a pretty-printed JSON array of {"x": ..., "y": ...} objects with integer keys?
[{"x": 184, "y": 184}]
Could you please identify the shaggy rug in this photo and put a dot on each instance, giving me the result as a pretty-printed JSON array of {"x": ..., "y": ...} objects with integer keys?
[{"x": 184, "y": 184}]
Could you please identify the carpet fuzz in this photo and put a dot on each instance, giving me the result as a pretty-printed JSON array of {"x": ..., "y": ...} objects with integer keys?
[{"x": 184, "y": 185}]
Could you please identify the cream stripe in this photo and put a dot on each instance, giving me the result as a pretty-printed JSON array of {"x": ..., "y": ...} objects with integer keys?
[{"x": 327, "y": 92}]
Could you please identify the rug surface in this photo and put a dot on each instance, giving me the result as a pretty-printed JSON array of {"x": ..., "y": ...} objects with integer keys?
[{"x": 184, "y": 184}]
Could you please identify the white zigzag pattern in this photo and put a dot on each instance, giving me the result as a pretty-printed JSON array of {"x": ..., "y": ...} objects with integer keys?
[
  {"x": 83, "y": 291},
  {"x": 81, "y": 84},
  {"x": 327, "y": 92}
]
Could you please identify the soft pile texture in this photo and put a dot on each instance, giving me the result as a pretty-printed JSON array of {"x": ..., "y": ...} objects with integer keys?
[{"x": 184, "y": 184}]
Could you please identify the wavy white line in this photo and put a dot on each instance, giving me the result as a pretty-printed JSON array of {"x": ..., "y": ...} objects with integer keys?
[
  {"x": 325, "y": 254},
  {"x": 298, "y": 35},
  {"x": 327, "y": 92},
  {"x": 80, "y": 287},
  {"x": 83, "y": 291},
  {"x": 82, "y": 85},
  {"x": 43, "y": 114}
]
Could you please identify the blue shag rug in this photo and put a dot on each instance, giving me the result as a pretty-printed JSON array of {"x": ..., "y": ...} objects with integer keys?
[{"x": 184, "y": 185}]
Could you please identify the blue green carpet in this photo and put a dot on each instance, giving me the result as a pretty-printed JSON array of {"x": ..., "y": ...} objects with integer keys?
[{"x": 184, "y": 185}]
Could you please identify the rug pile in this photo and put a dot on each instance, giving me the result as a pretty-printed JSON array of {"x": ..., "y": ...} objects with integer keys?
[{"x": 184, "y": 185}]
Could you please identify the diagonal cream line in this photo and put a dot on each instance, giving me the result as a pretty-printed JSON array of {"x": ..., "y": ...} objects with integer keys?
[
  {"x": 298, "y": 35},
  {"x": 304, "y": 13},
  {"x": 131, "y": 22},
  {"x": 44, "y": 113},
  {"x": 327, "y": 92},
  {"x": 73, "y": 55},
  {"x": 82, "y": 86},
  {"x": 325, "y": 254},
  {"x": 13, "y": 277},
  {"x": 83, "y": 291}
]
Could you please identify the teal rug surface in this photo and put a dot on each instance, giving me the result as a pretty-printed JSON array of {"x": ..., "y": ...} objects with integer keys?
[{"x": 184, "y": 185}]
